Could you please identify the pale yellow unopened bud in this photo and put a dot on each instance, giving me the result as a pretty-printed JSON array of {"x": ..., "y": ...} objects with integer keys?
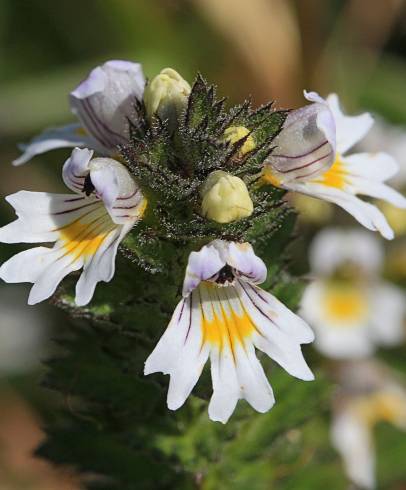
[
  {"x": 166, "y": 95},
  {"x": 237, "y": 133},
  {"x": 225, "y": 198}
]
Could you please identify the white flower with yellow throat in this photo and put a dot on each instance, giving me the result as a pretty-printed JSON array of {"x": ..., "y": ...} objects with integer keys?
[
  {"x": 311, "y": 157},
  {"x": 351, "y": 309},
  {"x": 224, "y": 315},
  {"x": 87, "y": 227}
]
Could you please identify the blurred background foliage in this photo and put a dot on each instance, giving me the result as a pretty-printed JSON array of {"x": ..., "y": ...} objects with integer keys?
[{"x": 270, "y": 49}]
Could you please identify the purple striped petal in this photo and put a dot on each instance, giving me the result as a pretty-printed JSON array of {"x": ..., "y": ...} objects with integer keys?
[
  {"x": 305, "y": 147},
  {"x": 105, "y": 101}
]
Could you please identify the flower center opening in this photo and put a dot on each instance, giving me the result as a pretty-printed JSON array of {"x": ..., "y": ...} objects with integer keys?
[
  {"x": 88, "y": 187},
  {"x": 345, "y": 305},
  {"x": 225, "y": 276}
]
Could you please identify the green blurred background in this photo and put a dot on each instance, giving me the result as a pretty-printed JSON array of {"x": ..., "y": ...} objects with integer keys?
[{"x": 269, "y": 49}]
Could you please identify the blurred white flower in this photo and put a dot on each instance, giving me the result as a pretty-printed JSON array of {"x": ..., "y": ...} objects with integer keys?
[
  {"x": 350, "y": 308},
  {"x": 369, "y": 394}
]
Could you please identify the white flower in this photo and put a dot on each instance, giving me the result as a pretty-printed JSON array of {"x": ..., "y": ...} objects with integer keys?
[
  {"x": 350, "y": 308},
  {"x": 356, "y": 413},
  {"x": 224, "y": 315},
  {"x": 350, "y": 175},
  {"x": 87, "y": 227},
  {"x": 105, "y": 103}
]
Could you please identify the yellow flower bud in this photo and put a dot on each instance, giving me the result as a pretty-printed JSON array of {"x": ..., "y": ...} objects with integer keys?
[
  {"x": 237, "y": 133},
  {"x": 225, "y": 198},
  {"x": 166, "y": 95}
]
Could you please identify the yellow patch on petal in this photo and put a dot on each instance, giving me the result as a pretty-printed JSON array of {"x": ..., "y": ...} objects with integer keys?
[
  {"x": 82, "y": 238},
  {"x": 226, "y": 327},
  {"x": 142, "y": 208},
  {"x": 345, "y": 304},
  {"x": 268, "y": 177},
  {"x": 385, "y": 406},
  {"x": 336, "y": 176}
]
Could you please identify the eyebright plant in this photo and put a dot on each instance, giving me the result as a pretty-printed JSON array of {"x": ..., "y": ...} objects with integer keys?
[{"x": 191, "y": 193}]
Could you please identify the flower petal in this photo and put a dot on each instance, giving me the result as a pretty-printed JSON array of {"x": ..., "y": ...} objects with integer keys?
[
  {"x": 350, "y": 129},
  {"x": 76, "y": 169},
  {"x": 203, "y": 265},
  {"x": 236, "y": 372},
  {"x": 279, "y": 331},
  {"x": 50, "y": 277},
  {"x": 242, "y": 258},
  {"x": 26, "y": 266},
  {"x": 105, "y": 101},
  {"x": 84, "y": 234},
  {"x": 62, "y": 137},
  {"x": 111, "y": 182},
  {"x": 238, "y": 376},
  {"x": 391, "y": 139},
  {"x": 115, "y": 186},
  {"x": 180, "y": 352},
  {"x": 306, "y": 145},
  {"x": 99, "y": 266},
  {"x": 367, "y": 172},
  {"x": 365, "y": 213},
  {"x": 42, "y": 214},
  {"x": 40, "y": 266}
]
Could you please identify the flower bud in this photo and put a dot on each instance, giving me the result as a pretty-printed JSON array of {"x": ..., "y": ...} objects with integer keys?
[
  {"x": 225, "y": 198},
  {"x": 237, "y": 133},
  {"x": 166, "y": 95}
]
